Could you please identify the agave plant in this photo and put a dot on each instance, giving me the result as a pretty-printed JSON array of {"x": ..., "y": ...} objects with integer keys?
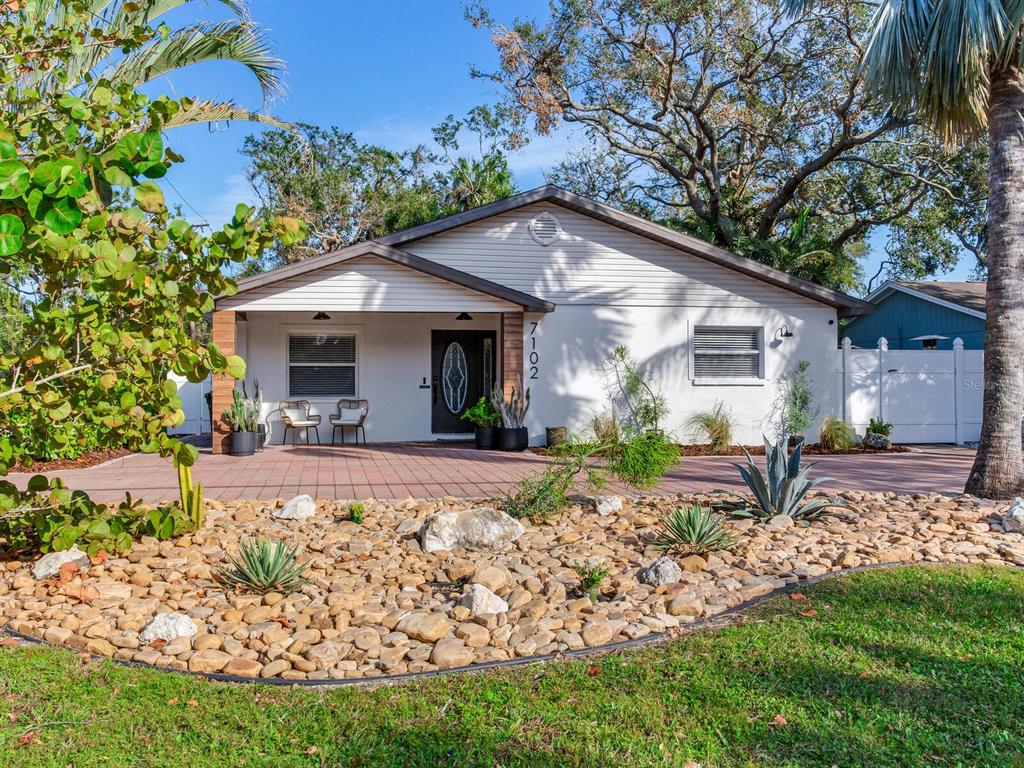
[
  {"x": 781, "y": 492},
  {"x": 692, "y": 530},
  {"x": 512, "y": 412},
  {"x": 264, "y": 566}
]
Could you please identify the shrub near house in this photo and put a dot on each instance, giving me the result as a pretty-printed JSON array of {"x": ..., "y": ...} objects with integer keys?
[{"x": 117, "y": 286}]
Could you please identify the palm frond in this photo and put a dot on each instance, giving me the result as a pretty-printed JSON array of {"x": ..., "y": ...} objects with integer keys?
[
  {"x": 209, "y": 111},
  {"x": 240, "y": 42}
]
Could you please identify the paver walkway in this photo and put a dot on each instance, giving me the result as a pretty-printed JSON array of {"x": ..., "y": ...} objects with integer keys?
[{"x": 425, "y": 470}]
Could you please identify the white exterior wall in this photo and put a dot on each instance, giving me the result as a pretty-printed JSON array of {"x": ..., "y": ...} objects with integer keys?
[
  {"x": 612, "y": 287},
  {"x": 574, "y": 343},
  {"x": 393, "y": 361}
]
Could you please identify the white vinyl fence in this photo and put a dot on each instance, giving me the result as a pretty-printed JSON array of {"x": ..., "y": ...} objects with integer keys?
[
  {"x": 928, "y": 395},
  {"x": 193, "y": 403}
]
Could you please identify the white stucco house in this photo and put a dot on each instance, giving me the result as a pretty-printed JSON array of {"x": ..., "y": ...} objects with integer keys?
[{"x": 544, "y": 285}]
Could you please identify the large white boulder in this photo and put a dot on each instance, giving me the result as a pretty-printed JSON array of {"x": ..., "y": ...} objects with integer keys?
[
  {"x": 298, "y": 508},
  {"x": 664, "y": 570},
  {"x": 480, "y": 528},
  {"x": 480, "y": 601},
  {"x": 48, "y": 566},
  {"x": 1013, "y": 520},
  {"x": 167, "y": 626}
]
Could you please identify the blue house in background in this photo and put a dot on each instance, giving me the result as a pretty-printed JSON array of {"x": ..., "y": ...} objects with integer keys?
[{"x": 922, "y": 315}]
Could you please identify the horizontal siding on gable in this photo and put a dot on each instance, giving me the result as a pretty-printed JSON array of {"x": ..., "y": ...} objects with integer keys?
[
  {"x": 594, "y": 263},
  {"x": 368, "y": 284}
]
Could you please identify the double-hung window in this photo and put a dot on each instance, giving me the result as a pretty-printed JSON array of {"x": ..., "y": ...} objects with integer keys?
[
  {"x": 321, "y": 365},
  {"x": 724, "y": 352}
]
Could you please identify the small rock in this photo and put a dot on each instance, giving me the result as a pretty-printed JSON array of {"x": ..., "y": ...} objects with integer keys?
[
  {"x": 208, "y": 661},
  {"x": 693, "y": 563},
  {"x": 243, "y": 668},
  {"x": 685, "y": 605},
  {"x": 598, "y": 633},
  {"x": 168, "y": 627},
  {"x": 328, "y": 653},
  {"x": 481, "y": 600},
  {"x": 480, "y": 528},
  {"x": 48, "y": 566},
  {"x": 608, "y": 504},
  {"x": 451, "y": 653},
  {"x": 427, "y": 627},
  {"x": 299, "y": 508},
  {"x": 493, "y": 577},
  {"x": 664, "y": 570},
  {"x": 780, "y": 521},
  {"x": 874, "y": 440}
]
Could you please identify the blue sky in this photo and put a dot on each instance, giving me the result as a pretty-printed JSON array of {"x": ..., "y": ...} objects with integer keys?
[{"x": 386, "y": 70}]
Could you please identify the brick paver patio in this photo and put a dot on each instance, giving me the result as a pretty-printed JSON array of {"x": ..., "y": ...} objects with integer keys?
[{"x": 397, "y": 471}]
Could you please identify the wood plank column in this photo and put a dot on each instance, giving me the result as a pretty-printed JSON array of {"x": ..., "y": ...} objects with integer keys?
[
  {"x": 223, "y": 387},
  {"x": 511, "y": 350}
]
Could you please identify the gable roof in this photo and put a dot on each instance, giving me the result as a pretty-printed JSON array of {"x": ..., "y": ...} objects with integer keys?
[
  {"x": 966, "y": 296},
  {"x": 375, "y": 248},
  {"x": 845, "y": 305}
]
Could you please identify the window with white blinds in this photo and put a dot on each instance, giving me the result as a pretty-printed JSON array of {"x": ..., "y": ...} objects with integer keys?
[
  {"x": 321, "y": 365},
  {"x": 726, "y": 353}
]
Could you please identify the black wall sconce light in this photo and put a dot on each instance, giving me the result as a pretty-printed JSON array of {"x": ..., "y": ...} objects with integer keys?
[
  {"x": 785, "y": 333},
  {"x": 321, "y": 316}
]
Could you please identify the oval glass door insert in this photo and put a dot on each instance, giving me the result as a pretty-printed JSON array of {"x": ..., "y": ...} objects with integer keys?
[{"x": 454, "y": 377}]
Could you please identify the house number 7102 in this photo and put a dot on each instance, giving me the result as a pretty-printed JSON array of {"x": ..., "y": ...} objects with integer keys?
[{"x": 534, "y": 357}]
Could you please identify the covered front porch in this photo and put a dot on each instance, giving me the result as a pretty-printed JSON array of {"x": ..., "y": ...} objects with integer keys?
[{"x": 419, "y": 343}]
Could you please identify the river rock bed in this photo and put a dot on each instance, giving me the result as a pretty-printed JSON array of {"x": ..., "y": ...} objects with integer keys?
[{"x": 377, "y": 604}]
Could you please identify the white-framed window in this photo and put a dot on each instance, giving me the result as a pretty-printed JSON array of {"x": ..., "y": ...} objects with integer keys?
[
  {"x": 322, "y": 365},
  {"x": 728, "y": 353}
]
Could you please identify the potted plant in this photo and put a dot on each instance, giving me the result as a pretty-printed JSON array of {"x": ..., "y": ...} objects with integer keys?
[
  {"x": 485, "y": 420},
  {"x": 513, "y": 435},
  {"x": 243, "y": 416}
]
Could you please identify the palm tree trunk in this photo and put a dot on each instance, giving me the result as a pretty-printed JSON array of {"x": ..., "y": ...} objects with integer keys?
[{"x": 998, "y": 471}]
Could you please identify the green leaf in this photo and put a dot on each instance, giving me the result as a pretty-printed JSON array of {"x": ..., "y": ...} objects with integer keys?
[
  {"x": 8, "y": 151},
  {"x": 151, "y": 146},
  {"x": 101, "y": 95},
  {"x": 289, "y": 230},
  {"x": 149, "y": 197},
  {"x": 63, "y": 216},
  {"x": 235, "y": 367},
  {"x": 14, "y": 179},
  {"x": 117, "y": 177},
  {"x": 169, "y": 289},
  {"x": 60, "y": 411},
  {"x": 11, "y": 231}
]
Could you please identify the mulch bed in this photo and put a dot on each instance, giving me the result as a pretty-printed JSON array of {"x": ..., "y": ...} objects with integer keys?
[
  {"x": 810, "y": 449},
  {"x": 90, "y": 459}
]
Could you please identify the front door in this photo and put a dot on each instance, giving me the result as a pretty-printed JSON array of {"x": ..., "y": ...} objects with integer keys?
[{"x": 462, "y": 367}]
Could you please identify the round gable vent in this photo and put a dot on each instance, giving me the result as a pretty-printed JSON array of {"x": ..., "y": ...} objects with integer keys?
[{"x": 544, "y": 228}]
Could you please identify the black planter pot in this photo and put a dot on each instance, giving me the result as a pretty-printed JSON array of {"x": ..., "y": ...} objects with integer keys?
[
  {"x": 243, "y": 443},
  {"x": 484, "y": 437},
  {"x": 513, "y": 439},
  {"x": 555, "y": 436}
]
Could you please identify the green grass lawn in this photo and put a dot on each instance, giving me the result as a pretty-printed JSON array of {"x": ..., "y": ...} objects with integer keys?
[{"x": 891, "y": 668}]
